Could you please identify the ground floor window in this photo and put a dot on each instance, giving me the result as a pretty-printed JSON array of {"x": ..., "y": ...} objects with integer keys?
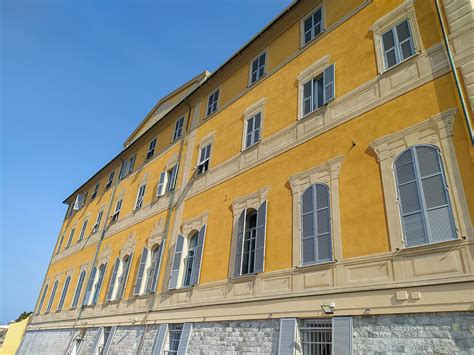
[
  {"x": 175, "y": 331},
  {"x": 316, "y": 336}
]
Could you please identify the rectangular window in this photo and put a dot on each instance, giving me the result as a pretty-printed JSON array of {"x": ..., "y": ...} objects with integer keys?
[
  {"x": 127, "y": 167},
  {"x": 316, "y": 336},
  {"x": 397, "y": 44},
  {"x": 151, "y": 149},
  {"x": 51, "y": 298},
  {"x": 96, "y": 190},
  {"x": 97, "y": 221},
  {"x": 252, "y": 132},
  {"x": 83, "y": 230},
  {"x": 204, "y": 157},
  {"x": 118, "y": 207},
  {"x": 59, "y": 245},
  {"x": 318, "y": 91},
  {"x": 257, "y": 67},
  {"x": 172, "y": 177},
  {"x": 110, "y": 180},
  {"x": 178, "y": 128},
  {"x": 175, "y": 331},
  {"x": 312, "y": 26},
  {"x": 71, "y": 235},
  {"x": 140, "y": 197},
  {"x": 212, "y": 101}
]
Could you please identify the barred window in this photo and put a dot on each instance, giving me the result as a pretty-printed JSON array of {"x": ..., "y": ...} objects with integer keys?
[
  {"x": 316, "y": 337},
  {"x": 175, "y": 331}
]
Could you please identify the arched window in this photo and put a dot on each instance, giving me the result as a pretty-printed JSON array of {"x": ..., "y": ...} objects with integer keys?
[
  {"x": 51, "y": 298},
  {"x": 98, "y": 284},
  {"x": 122, "y": 280},
  {"x": 189, "y": 259},
  {"x": 154, "y": 269},
  {"x": 77, "y": 294},
  {"x": 45, "y": 290},
  {"x": 316, "y": 245},
  {"x": 249, "y": 243},
  {"x": 64, "y": 293},
  {"x": 423, "y": 196}
]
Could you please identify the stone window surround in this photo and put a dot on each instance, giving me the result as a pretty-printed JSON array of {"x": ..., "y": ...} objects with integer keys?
[
  {"x": 252, "y": 110},
  {"x": 208, "y": 139},
  {"x": 265, "y": 69},
  {"x": 436, "y": 131},
  {"x": 405, "y": 11},
  {"x": 328, "y": 174},
  {"x": 253, "y": 200},
  {"x": 321, "y": 6},
  {"x": 307, "y": 74}
]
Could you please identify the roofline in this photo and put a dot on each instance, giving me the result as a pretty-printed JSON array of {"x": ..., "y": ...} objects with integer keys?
[{"x": 276, "y": 19}]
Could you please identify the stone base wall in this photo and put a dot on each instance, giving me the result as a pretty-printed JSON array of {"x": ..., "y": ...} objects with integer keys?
[{"x": 48, "y": 342}]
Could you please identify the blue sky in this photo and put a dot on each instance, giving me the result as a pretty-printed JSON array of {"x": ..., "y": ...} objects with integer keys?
[{"x": 76, "y": 77}]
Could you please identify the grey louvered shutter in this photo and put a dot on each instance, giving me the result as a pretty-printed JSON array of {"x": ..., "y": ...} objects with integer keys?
[
  {"x": 99, "y": 283},
  {"x": 238, "y": 243},
  {"x": 342, "y": 335},
  {"x": 155, "y": 269},
  {"x": 173, "y": 177},
  {"x": 140, "y": 272},
  {"x": 198, "y": 256},
  {"x": 90, "y": 283},
  {"x": 125, "y": 168},
  {"x": 160, "y": 191},
  {"x": 178, "y": 249},
  {"x": 308, "y": 242},
  {"x": 323, "y": 224},
  {"x": 108, "y": 342},
  {"x": 329, "y": 84},
  {"x": 124, "y": 277},
  {"x": 98, "y": 336},
  {"x": 287, "y": 340},
  {"x": 112, "y": 281},
  {"x": 184, "y": 340},
  {"x": 160, "y": 339},
  {"x": 260, "y": 242},
  {"x": 435, "y": 195}
]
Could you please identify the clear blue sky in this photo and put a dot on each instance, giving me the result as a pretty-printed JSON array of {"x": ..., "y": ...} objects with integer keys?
[{"x": 76, "y": 78}]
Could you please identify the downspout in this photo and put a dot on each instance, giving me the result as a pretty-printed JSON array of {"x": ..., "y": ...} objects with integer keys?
[
  {"x": 455, "y": 73},
  {"x": 99, "y": 243},
  {"x": 152, "y": 296}
]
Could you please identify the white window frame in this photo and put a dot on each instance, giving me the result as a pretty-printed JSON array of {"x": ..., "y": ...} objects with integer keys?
[
  {"x": 250, "y": 112},
  {"x": 323, "y": 26},
  {"x": 201, "y": 161},
  {"x": 151, "y": 149},
  {"x": 208, "y": 104},
  {"x": 178, "y": 129},
  {"x": 265, "y": 67},
  {"x": 96, "y": 191},
  {"x": 98, "y": 219},
  {"x": 140, "y": 197},
  {"x": 127, "y": 166},
  {"x": 247, "y": 120},
  {"x": 110, "y": 180},
  {"x": 406, "y": 11},
  {"x": 118, "y": 207}
]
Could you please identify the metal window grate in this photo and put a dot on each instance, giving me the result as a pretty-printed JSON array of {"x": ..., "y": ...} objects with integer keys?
[
  {"x": 316, "y": 337},
  {"x": 175, "y": 331}
]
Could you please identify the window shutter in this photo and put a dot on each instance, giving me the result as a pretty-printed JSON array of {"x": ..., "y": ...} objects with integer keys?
[
  {"x": 342, "y": 335},
  {"x": 238, "y": 243},
  {"x": 160, "y": 191},
  {"x": 287, "y": 341},
  {"x": 98, "y": 336},
  {"x": 90, "y": 283},
  {"x": 323, "y": 224},
  {"x": 77, "y": 294},
  {"x": 63, "y": 294},
  {"x": 329, "y": 86},
  {"x": 308, "y": 242},
  {"x": 173, "y": 177},
  {"x": 99, "y": 284},
  {"x": 184, "y": 340},
  {"x": 141, "y": 270},
  {"x": 124, "y": 169},
  {"x": 160, "y": 339},
  {"x": 112, "y": 281},
  {"x": 79, "y": 203},
  {"x": 131, "y": 164},
  {"x": 124, "y": 277},
  {"x": 198, "y": 256},
  {"x": 260, "y": 243},
  {"x": 178, "y": 249},
  {"x": 45, "y": 290},
  {"x": 155, "y": 270}
]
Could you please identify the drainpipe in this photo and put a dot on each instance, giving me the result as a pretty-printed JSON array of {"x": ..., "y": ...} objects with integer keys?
[{"x": 455, "y": 73}]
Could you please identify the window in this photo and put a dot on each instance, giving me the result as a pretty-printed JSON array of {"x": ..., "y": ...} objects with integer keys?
[
  {"x": 212, "y": 102},
  {"x": 318, "y": 91},
  {"x": 397, "y": 44},
  {"x": 96, "y": 190},
  {"x": 137, "y": 290},
  {"x": 79, "y": 202},
  {"x": 113, "y": 281},
  {"x": 167, "y": 181},
  {"x": 175, "y": 331},
  {"x": 70, "y": 210},
  {"x": 423, "y": 199},
  {"x": 257, "y": 67},
  {"x": 83, "y": 230},
  {"x": 51, "y": 298},
  {"x": 316, "y": 225},
  {"x": 98, "y": 284},
  {"x": 69, "y": 240},
  {"x": 151, "y": 149},
  {"x": 250, "y": 237},
  {"x": 204, "y": 158},
  {"x": 316, "y": 336},
  {"x": 154, "y": 269},
  {"x": 127, "y": 167},
  {"x": 97, "y": 221},
  {"x": 178, "y": 128},
  {"x": 90, "y": 285},
  {"x": 122, "y": 280},
  {"x": 252, "y": 135},
  {"x": 77, "y": 294},
  {"x": 140, "y": 197},
  {"x": 43, "y": 295},
  {"x": 60, "y": 243},
  {"x": 110, "y": 180},
  {"x": 312, "y": 26},
  {"x": 189, "y": 259},
  {"x": 64, "y": 293},
  {"x": 118, "y": 207}
]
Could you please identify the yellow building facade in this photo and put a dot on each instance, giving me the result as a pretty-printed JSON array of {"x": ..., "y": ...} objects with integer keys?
[{"x": 313, "y": 195}]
